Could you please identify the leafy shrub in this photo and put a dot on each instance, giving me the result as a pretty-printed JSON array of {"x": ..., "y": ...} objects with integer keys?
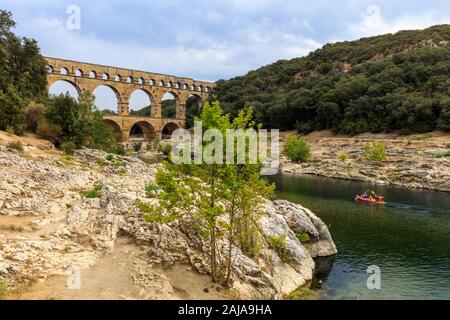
[
  {"x": 166, "y": 149},
  {"x": 34, "y": 113},
  {"x": 296, "y": 149},
  {"x": 151, "y": 190},
  {"x": 375, "y": 151},
  {"x": 442, "y": 154},
  {"x": 68, "y": 147},
  {"x": 49, "y": 131},
  {"x": 278, "y": 244},
  {"x": 109, "y": 157},
  {"x": 303, "y": 237},
  {"x": 101, "y": 163},
  {"x": 137, "y": 146},
  {"x": 10, "y": 131},
  {"x": 143, "y": 207},
  {"x": 342, "y": 156},
  {"x": 119, "y": 149},
  {"x": 15, "y": 145},
  {"x": 448, "y": 145},
  {"x": 96, "y": 192}
]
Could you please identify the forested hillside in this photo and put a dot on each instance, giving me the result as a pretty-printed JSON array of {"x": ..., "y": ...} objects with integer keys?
[{"x": 390, "y": 82}]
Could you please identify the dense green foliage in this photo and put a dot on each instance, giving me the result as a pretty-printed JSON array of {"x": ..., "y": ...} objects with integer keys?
[
  {"x": 77, "y": 122},
  {"x": 391, "y": 82},
  {"x": 297, "y": 149},
  {"x": 22, "y": 75}
]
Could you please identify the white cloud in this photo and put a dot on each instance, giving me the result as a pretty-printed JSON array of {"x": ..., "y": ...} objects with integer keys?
[{"x": 373, "y": 22}]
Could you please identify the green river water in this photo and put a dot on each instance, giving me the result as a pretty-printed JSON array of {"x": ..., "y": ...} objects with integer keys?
[{"x": 408, "y": 238}]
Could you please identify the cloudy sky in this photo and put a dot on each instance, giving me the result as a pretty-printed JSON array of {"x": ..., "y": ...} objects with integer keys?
[{"x": 211, "y": 39}]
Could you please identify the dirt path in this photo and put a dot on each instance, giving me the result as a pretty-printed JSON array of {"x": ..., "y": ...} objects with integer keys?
[{"x": 112, "y": 279}]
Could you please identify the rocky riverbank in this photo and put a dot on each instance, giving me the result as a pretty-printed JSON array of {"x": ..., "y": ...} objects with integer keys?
[
  {"x": 48, "y": 227},
  {"x": 415, "y": 161}
]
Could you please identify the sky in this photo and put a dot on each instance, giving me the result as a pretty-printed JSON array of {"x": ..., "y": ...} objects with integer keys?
[{"x": 209, "y": 40}]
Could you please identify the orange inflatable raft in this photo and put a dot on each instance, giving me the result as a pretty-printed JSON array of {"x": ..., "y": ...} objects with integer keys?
[{"x": 370, "y": 200}]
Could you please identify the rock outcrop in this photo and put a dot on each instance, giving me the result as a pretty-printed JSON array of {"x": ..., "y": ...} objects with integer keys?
[
  {"x": 68, "y": 229},
  {"x": 411, "y": 162}
]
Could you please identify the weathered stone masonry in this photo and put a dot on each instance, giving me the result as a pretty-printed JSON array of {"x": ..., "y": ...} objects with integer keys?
[{"x": 88, "y": 76}]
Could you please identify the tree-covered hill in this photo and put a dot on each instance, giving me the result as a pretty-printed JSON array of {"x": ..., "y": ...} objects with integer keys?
[{"x": 391, "y": 82}]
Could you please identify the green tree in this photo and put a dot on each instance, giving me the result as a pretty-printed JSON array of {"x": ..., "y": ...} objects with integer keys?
[
  {"x": 22, "y": 74},
  {"x": 220, "y": 201},
  {"x": 79, "y": 122},
  {"x": 297, "y": 149}
]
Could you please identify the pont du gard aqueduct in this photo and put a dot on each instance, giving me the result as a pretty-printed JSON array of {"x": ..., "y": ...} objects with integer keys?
[{"x": 87, "y": 77}]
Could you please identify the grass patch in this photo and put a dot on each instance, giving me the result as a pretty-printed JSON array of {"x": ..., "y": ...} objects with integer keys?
[
  {"x": 93, "y": 193},
  {"x": 302, "y": 294},
  {"x": 440, "y": 155},
  {"x": 101, "y": 163},
  {"x": 3, "y": 289},
  {"x": 15, "y": 145},
  {"x": 343, "y": 157}
]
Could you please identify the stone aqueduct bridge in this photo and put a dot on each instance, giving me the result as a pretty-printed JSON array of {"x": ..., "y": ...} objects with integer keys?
[{"x": 87, "y": 77}]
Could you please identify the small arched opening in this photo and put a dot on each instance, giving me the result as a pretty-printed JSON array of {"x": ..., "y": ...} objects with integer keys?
[
  {"x": 168, "y": 130},
  {"x": 78, "y": 73},
  {"x": 92, "y": 74},
  {"x": 64, "y": 71},
  {"x": 142, "y": 130}
]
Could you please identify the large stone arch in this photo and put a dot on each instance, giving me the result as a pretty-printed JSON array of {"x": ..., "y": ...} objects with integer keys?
[
  {"x": 147, "y": 128},
  {"x": 116, "y": 93},
  {"x": 150, "y": 95}
]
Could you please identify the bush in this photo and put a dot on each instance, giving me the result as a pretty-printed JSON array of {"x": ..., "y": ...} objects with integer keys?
[
  {"x": 10, "y": 131},
  {"x": 296, "y": 149},
  {"x": 110, "y": 157},
  {"x": 15, "y": 145},
  {"x": 278, "y": 244},
  {"x": 303, "y": 237},
  {"x": 49, "y": 131},
  {"x": 68, "y": 147},
  {"x": 342, "y": 156},
  {"x": 137, "y": 146},
  {"x": 166, "y": 149},
  {"x": 442, "y": 154},
  {"x": 34, "y": 113},
  {"x": 94, "y": 193},
  {"x": 375, "y": 151},
  {"x": 119, "y": 149}
]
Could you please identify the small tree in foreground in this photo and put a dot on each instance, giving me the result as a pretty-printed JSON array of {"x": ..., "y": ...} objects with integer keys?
[
  {"x": 297, "y": 149},
  {"x": 220, "y": 201}
]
